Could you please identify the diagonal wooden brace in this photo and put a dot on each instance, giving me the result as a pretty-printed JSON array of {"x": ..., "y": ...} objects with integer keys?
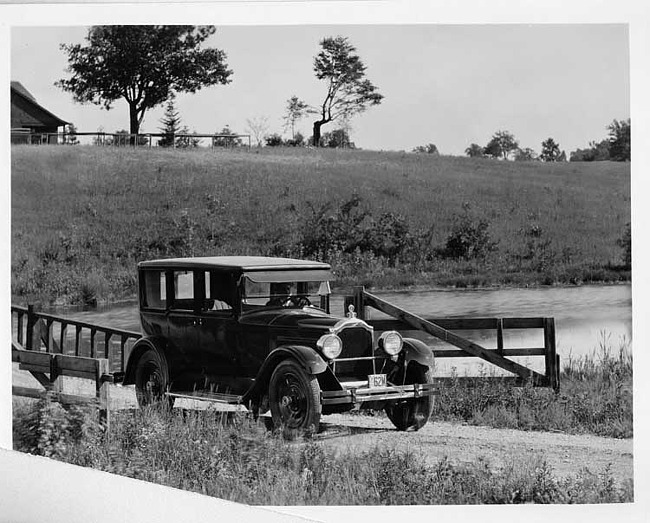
[{"x": 472, "y": 349}]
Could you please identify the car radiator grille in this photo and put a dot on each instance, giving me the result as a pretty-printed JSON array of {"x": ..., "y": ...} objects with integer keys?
[{"x": 356, "y": 343}]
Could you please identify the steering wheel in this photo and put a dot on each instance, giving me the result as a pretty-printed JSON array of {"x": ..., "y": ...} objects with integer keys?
[{"x": 298, "y": 301}]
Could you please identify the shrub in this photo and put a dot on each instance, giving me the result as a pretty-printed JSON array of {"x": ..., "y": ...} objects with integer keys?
[
  {"x": 625, "y": 243},
  {"x": 469, "y": 237},
  {"x": 274, "y": 140}
]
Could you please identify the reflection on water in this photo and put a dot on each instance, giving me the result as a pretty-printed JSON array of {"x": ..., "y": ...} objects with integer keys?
[{"x": 583, "y": 315}]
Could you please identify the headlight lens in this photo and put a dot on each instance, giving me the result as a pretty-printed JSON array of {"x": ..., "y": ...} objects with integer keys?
[
  {"x": 391, "y": 342},
  {"x": 330, "y": 345}
]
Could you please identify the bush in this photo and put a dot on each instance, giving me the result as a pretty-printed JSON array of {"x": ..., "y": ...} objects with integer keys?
[
  {"x": 625, "y": 243},
  {"x": 469, "y": 237},
  {"x": 274, "y": 140}
]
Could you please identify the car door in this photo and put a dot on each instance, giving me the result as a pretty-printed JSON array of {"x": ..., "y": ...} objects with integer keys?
[
  {"x": 218, "y": 333},
  {"x": 182, "y": 319}
]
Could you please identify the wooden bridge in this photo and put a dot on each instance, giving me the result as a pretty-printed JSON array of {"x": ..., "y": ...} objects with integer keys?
[{"x": 50, "y": 346}]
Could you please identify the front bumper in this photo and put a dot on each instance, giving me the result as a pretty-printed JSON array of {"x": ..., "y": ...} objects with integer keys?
[{"x": 357, "y": 396}]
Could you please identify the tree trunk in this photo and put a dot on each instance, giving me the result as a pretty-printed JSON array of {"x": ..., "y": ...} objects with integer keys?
[
  {"x": 134, "y": 124},
  {"x": 317, "y": 126}
]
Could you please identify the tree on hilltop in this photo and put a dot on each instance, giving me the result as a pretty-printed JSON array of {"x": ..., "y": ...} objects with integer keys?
[
  {"x": 501, "y": 145},
  {"x": 475, "y": 151},
  {"x": 171, "y": 124},
  {"x": 143, "y": 64},
  {"x": 620, "y": 140},
  {"x": 296, "y": 110},
  {"x": 550, "y": 151},
  {"x": 348, "y": 90}
]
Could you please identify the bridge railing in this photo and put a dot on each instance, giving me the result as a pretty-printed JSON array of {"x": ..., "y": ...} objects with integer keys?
[{"x": 42, "y": 332}]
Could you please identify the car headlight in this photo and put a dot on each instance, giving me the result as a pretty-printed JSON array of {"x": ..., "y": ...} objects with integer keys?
[
  {"x": 330, "y": 345},
  {"x": 391, "y": 342}
]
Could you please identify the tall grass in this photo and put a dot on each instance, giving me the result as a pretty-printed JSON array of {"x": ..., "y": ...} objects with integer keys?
[
  {"x": 237, "y": 459},
  {"x": 82, "y": 217},
  {"x": 595, "y": 397}
]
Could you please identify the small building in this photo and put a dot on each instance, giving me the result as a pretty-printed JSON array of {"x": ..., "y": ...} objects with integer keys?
[{"x": 30, "y": 121}]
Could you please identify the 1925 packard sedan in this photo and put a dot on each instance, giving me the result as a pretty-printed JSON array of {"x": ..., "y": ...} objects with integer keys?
[{"x": 257, "y": 331}]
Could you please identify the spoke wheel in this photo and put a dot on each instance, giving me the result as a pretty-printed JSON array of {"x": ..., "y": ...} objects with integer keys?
[
  {"x": 412, "y": 413},
  {"x": 151, "y": 380},
  {"x": 294, "y": 397}
]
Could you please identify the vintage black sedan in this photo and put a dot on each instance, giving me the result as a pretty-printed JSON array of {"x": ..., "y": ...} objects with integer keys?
[{"x": 257, "y": 331}]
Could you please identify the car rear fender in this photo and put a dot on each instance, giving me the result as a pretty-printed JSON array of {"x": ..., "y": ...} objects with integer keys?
[
  {"x": 417, "y": 350},
  {"x": 142, "y": 345},
  {"x": 306, "y": 357}
]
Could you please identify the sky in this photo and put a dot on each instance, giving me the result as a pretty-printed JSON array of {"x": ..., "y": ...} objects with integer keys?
[{"x": 450, "y": 85}]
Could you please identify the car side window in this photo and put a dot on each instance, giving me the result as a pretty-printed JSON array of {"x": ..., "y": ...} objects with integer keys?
[
  {"x": 183, "y": 290},
  {"x": 217, "y": 292},
  {"x": 155, "y": 289}
]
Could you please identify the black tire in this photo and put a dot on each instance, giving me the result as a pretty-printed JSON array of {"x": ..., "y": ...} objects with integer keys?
[
  {"x": 151, "y": 380},
  {"x": 294, "y": 398},
  {"x": 412, "y": 413}
]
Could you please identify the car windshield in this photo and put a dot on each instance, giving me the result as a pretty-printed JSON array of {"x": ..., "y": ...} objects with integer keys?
[{"x": 281, "y": 294}]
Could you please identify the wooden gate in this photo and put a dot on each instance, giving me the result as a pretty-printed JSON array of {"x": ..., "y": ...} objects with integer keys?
[{"x": 443, "y": 329}]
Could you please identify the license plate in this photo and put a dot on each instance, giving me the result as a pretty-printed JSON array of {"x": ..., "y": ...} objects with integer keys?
[{"x": 376, "y": 380}]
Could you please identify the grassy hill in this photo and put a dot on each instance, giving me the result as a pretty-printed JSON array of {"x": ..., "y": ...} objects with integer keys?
[{"x": 82, "y": 217}]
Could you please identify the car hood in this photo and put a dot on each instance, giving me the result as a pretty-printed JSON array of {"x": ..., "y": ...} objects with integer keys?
[{"x": 306, "y": 318}]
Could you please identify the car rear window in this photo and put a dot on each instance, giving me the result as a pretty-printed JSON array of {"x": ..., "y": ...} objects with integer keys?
[{"x": 155, "y": 292}]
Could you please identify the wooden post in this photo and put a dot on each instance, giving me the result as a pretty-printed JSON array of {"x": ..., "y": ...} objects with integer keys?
[
  {"x": 101, "y": 387},
  {"x": 31, "y": 320},
  {"x": 500, "y": 336},
  {"x": 550, "y": 355},
  {"x": 358, "y": 303}
]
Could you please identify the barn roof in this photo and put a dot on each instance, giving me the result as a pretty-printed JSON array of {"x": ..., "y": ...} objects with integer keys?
[{"x": 43, "y": 114}]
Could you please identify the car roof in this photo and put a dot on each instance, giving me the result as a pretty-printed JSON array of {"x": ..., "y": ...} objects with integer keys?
[{"x": 239, "y": 263}]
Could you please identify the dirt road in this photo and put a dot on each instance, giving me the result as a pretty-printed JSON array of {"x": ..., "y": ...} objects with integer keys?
[{"x": 566, "y": 454}]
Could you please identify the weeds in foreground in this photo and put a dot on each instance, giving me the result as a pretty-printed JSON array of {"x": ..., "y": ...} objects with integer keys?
[
  {"x": 237, "y": 459},
  {"x": 595, "y": 397}
]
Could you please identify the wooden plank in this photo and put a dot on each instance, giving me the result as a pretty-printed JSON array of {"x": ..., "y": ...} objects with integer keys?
[
  {"x": 77, "y": 340},
  {"x": 451, "y": 353},
  {"x": 43, "y": 379},
  {"x": 70, "y": 399},
  {"x": 500, "y": 336},
  {"x": 64, "y": 329},
  {"x": 468, "y": 346},
  {"x": 459, "y": 324}
]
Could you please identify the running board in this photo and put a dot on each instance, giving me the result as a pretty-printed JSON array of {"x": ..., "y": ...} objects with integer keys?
[{"x": 214, "y": 397}]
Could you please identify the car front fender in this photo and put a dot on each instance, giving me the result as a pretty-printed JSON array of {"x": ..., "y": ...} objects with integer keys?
[
  {"x": 417, "y": 350},
  {"x": 306, "y": 357}
]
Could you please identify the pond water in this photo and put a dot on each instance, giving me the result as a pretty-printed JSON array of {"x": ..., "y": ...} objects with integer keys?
[{"x": 586, "y": 317}]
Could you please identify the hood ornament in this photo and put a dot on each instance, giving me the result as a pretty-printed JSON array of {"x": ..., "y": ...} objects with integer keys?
[{"x": 351, "y": 313}]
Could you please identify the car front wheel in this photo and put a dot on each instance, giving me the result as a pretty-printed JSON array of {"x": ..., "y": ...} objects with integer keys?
[
  {"x": 151, "y": 380},
  {"x": 412, "y": 413},
  {"x": 294, "y": 398}
]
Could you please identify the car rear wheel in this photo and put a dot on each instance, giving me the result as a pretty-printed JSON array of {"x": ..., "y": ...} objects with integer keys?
[
  {"x": 294, "y": 398},
  {"x": 412, "y": 413},
  {"x": 151, "y": 380}
]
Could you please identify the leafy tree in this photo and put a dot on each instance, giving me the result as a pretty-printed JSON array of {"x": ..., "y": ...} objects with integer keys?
[
  {"x": 258, "y": 127},
  {"x": 427, "y": 149},
  {"x": 562, "y": 157},
  {"x": 501, "y": 145},
  {"x": 296, "y": 110},
  {"x": 339, "y": 138},
  {"x": 550, "y": 151},
  {"x": 475, "y": 151},
  {"x": 525, "y": 155},
  {"x": 274, "y": 140},
  {"x": 619, "y": 140},
  {"x": 69, "y": 138},
  {"x": 297, "y": 141},
  {"x": 143, "y": 65},
  {"x": 171, "y": 122},
  {"x": 348, "y": 90}
]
